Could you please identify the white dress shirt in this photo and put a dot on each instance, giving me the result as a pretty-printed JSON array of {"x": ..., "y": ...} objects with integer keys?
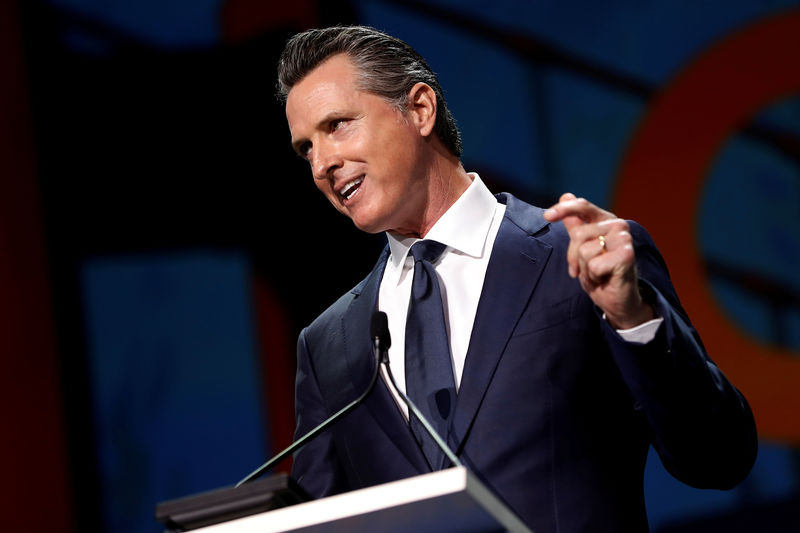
[{"x": 468, "y": 229}]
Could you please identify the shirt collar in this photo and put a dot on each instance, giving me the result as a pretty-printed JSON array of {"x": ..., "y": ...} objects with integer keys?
[{"x": 474, "y": 209}]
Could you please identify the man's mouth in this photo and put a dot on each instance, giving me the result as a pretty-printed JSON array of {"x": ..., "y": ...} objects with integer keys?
[{"x": 351, "y": 187}]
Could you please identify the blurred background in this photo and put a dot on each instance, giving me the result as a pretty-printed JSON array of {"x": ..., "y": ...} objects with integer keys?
[{"x": 162, "y": 246}]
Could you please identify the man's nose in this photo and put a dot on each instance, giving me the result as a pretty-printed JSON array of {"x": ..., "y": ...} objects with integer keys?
[{"x": 325, "y": 159}]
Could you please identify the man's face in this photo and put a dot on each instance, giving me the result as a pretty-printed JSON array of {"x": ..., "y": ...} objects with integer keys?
[{"x": 366, "y": 156}]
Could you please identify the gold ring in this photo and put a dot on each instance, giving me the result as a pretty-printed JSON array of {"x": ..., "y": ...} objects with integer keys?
[{"x": 603, "y": 244}]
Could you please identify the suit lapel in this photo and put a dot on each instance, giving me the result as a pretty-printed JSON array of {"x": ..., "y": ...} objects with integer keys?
[
  {"x": 361, "y": 365},
  {"x": 516, "y": 256}
]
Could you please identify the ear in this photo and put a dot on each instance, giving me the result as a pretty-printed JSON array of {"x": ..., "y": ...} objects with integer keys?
[{"x": 422, "y": 107}]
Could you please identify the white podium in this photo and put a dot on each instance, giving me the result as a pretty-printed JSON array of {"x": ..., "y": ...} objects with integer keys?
[{"x": 451, "y": 500}]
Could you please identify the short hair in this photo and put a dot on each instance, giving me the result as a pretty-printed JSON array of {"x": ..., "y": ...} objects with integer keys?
[{"x": 387, "y": 66}]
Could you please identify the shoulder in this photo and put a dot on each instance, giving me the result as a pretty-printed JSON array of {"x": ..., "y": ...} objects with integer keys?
[
  {"x": 530, "y": 219},
  {"x": 332, "y": 314},
  {"x": 331, "y": 318}
]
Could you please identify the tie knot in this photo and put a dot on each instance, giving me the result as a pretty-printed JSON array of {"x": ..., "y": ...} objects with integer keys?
[{"x": 427, "y": 251}]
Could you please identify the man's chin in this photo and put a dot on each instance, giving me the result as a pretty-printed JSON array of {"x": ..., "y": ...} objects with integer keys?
[
  {"x": 369, "y": 226},
  {"x": 368, "y": 222}
]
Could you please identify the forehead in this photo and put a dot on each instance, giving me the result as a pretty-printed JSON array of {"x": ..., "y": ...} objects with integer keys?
[{"x": 331, "y": 84}]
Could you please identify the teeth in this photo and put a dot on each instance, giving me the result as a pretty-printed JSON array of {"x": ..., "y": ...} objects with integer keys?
[{"x": 350, "y": 188}]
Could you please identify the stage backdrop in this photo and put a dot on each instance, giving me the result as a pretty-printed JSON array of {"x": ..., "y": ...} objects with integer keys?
[{"x": 186, "y": 245}]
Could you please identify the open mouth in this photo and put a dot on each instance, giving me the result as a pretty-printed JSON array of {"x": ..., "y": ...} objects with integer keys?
[{"x": 351, "y": 187}]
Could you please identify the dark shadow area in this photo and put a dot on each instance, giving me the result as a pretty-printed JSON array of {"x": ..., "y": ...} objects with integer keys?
[{"x": 775, "y": 517}]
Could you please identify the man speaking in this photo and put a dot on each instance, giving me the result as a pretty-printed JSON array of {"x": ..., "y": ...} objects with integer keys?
[{"x": 547, "y": 347}]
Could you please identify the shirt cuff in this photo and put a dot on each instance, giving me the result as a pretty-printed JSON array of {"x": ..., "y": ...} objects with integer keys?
[{"x": 643, "y": 333}]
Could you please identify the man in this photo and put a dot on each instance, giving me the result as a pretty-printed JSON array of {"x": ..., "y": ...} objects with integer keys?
[{"x": 568, "y": 348}]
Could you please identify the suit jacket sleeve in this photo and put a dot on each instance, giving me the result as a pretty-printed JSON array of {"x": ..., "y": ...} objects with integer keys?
[
  {"x": 701, "y": 426},
  {"x": 316, "y": 466}
]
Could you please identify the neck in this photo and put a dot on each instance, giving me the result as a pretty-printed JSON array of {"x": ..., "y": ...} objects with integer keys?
[{"x": 447, "y": 180}]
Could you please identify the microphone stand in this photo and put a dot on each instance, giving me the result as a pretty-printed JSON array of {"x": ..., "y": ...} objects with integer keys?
[
  {"x": 413, "y": 408},
  {"x": 302, "y": 441},
  {"x": 380, "y": 348}
]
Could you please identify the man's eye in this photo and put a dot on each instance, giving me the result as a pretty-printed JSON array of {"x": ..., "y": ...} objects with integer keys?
[
  {"x": 336, "y": 124},
  {"x": 303, "y": 150}
]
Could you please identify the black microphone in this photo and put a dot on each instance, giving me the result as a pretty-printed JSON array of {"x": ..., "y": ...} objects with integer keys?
[
  {"x": 380, "y": 344},
  {"x": 379, "y": 330}
]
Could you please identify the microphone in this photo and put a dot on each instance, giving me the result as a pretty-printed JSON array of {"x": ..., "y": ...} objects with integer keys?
[
  {"x": 380, "y": 344},
  {"x": 379, "y": 330}
]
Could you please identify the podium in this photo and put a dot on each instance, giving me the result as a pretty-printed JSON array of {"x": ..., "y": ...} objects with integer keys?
[{"x": 451, "y": 500}]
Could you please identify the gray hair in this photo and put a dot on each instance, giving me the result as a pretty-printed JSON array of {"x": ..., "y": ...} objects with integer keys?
[{"x": 387, "y": 66}]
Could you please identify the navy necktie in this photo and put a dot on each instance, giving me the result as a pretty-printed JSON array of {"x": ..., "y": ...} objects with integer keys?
[{"x": 429, "y": 372}]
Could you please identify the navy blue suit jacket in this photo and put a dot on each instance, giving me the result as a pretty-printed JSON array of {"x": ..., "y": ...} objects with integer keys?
[{"x": 555, "y": 412}]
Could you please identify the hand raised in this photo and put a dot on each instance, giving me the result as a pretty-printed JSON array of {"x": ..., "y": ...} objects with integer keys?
[{"x": 602, "y": 257}]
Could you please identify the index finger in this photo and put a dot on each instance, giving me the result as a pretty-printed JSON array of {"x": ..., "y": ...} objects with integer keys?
[{"x": 581, "y": 208}]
